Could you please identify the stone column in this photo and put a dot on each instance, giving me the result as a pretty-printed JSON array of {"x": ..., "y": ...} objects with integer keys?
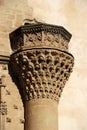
[{"x": 40, "y": 66}]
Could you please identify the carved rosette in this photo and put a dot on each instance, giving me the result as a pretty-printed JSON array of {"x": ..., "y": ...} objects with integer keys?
[{"x": 40, "y": 62}]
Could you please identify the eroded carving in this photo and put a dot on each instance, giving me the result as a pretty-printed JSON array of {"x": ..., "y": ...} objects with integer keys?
[
  {"x": 42, "y": 73},
  {"x": 2, "y": 80},
  {"x": 47, "y": 39},
  {"x": 8, "y": 119},
  {"x": 3, "y": 108},
  {"x": 34, "y": 35},
  {"x": 40, "y": 64}
]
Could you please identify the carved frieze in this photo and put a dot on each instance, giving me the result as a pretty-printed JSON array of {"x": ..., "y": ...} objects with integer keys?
[
  {"x": 44, "y": 39},
  {"x": 40, "y": 35}
]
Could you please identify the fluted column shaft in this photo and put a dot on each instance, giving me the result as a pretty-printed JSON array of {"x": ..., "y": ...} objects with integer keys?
[{"x": 40, "y": 66}]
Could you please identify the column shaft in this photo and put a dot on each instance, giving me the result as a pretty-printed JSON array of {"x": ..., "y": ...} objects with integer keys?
[{"x": 41, "y": 114}]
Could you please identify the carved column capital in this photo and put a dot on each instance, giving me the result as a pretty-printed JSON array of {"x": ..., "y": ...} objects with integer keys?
[
  {"x": 42, "y": 72},
  {"x": 41, "y": 62},
  {"x": 40, "y": 66}
]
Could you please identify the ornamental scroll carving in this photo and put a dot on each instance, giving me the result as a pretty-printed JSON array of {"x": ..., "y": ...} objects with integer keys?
[{"x": 42, "y": 72}]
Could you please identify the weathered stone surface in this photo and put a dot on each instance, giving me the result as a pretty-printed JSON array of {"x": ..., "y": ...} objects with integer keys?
[
  {"x": 72, "y": 15},
  {"x": 40, "y": 35},
  {"x": 41, "y": 114},
  {"x": 9, "y": 96},
  {"x": 40, "y": 66},
  {"x": 42, "y": 73}
]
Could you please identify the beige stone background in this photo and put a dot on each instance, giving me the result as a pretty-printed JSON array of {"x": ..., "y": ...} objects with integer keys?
[{"x": 72, "y": 14}]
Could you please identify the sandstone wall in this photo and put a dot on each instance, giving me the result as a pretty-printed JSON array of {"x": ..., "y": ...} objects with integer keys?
[
  {"x": 12, "y": 113},
  {"x": 12, "y": 14}
]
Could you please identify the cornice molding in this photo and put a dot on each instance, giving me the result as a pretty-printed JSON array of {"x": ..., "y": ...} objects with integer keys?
[
  {"x": 4, "y": 59},
  {"x": 41, "y": 27}
]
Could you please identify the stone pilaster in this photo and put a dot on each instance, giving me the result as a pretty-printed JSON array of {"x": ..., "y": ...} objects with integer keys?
[
  {"x": 40, "y": 66},
  {"x": 3, "y": 104}
]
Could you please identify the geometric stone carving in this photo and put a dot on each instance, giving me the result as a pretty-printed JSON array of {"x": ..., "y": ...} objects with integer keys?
[
  {"x": 40, "y": 35},
  {"x": 42, "y": 72},
  {"x": 46, "y": 39},
  {"x": 40, "y": 66}
]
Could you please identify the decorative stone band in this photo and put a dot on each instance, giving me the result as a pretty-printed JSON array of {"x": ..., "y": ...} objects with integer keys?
[
  {"x": 41, "y": 72},
  {"x": 40, "y": 35}
]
